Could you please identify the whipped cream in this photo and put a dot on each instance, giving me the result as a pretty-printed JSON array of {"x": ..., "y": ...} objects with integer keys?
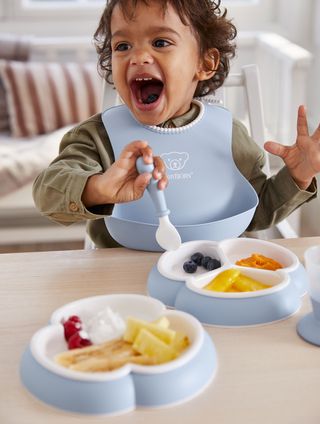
[{"x": 104, "y": 326}]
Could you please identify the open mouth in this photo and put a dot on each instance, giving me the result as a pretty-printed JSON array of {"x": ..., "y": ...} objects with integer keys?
[{"x": 146, "y": 90}]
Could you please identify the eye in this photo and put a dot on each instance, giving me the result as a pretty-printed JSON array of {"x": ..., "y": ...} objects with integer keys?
[
  {"x": 121, "y": 47},
  {"x": 160, "y": 42}
]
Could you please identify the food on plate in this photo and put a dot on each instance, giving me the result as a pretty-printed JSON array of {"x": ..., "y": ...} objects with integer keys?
[
  {"x": 154, "y": 339},
  {"x": 212, "y": 264},
  {"x": 146, "y": 343},
  {"x": 100, "y": 358},
  {"x": 256, "y": 260},
  {"x": 74, "y": 334},
  {"x": 143, "y": 342},
  {"x": 101, "y": 327},
  {"x": 244, "y": 283},
  {"x": 78, "y": 340},
  {"x": 105, "y": 325},
  {"x": 134, "y": 326},
  {"x": 223, "y": 281},
  {"x": 71, "y": 326},
  {"x": 198, "y": 259},
  {"x": 190, "y": 267},
  {"x": 232, "y": 280}
]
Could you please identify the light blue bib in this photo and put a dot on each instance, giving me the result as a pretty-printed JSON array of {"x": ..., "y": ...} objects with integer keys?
[{"x": 204, "y": 183}]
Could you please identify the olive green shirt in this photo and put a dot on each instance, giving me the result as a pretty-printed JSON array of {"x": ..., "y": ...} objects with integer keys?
[{"x": 86, "y": 150}]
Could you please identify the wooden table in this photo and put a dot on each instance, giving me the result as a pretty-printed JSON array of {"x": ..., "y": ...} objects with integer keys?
[{"x": 266, "y": 374}]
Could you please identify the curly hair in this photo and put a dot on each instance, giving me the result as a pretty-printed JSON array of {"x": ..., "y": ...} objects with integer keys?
[{"x": 207, "y": 20}]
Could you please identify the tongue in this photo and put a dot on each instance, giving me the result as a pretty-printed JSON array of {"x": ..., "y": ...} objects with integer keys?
[{"x": 150, "y": 93}]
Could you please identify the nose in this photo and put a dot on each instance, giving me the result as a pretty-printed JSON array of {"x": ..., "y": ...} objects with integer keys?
[{"x": 141, "y": 57}]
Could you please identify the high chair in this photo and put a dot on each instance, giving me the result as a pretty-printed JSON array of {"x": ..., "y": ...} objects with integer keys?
[{"x": 248, "y": 80}]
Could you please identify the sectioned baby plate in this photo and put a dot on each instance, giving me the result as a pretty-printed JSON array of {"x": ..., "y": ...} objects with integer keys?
[
  {"x": 125, "y": 388},
  {"x": 169, "y": 283}
]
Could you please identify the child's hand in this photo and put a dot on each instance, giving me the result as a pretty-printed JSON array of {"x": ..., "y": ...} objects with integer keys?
[
  {"x": 303, "y": 158},
  {"x": 122, "y": 182}
]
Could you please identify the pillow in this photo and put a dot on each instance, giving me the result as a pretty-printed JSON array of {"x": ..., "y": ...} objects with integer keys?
[
  {"x": 4, "y": 115},
  {"x": 42, "y": 97}
]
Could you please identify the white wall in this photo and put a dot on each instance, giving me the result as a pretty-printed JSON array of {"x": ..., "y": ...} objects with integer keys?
[{"x": 76, "y": 22}]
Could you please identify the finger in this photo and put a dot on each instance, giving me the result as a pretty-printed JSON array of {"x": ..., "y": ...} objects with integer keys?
[
  {"x": 140, "y": 184},
  {"x": 163, "y": 182},
  {"x": 135, "y": 148},
  {"x": 147, "y": 154},
  {"x": 302, "y": 124},
  {"x": 276, "y": 149},
  {"x": 159, "y": 168}
]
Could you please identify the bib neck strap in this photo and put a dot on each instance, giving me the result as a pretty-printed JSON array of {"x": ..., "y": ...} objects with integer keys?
[{"x": 161, "y": 130}]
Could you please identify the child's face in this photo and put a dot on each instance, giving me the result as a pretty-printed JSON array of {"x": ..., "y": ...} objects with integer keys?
[{"x": 155, "y": 62}]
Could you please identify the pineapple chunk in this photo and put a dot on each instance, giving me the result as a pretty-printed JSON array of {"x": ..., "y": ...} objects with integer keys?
[
  {"x": 244, "y": 283},
  {"x": 223, "y": 281},
  {"x": 134, "y": 326},
  {"x": 162, "y": 322},
  {"x": 180, "y": 342},
  {"x": 150, "y": 345}
]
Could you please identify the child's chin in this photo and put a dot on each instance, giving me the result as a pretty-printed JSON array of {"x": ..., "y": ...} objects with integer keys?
[{"x": 144, "y": 119}]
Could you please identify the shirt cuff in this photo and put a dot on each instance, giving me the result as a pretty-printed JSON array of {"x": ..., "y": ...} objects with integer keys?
[
  {"x": 73, "y": 207},
  {"x": 288, "y": 189}
]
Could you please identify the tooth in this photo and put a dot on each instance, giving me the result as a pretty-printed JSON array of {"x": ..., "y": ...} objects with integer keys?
[{"x": 144, "y": 79}]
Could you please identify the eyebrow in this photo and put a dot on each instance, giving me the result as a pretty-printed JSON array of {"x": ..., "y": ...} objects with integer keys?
[{"x": 153, "y": 30}]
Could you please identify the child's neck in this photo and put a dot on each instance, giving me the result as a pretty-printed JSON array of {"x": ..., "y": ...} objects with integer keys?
[{"x": 185, "y": 119}]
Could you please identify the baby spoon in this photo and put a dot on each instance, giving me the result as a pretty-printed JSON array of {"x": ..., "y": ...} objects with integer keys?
[{"x": 167, "y": 235}]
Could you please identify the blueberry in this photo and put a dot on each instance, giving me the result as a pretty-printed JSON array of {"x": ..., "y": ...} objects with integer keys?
[
  {"x": 197, "y": 258},
  {"x": 213, "y": 264},
  {"x": 151, "y": 98},
  {"x": 205, "y": 261},
  {"x": 190, "y": 267}
]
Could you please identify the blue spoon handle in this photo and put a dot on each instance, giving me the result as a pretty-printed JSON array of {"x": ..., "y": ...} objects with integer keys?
[{"x": 157, "y": 196}]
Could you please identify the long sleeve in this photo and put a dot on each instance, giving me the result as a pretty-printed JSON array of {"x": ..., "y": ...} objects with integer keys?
[
  {"x": 57, "y": 191},
  {"x": 279, "y": 196}
]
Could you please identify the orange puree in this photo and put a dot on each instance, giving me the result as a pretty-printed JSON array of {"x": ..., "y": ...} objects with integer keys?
[{"x": 256, "y": 260}]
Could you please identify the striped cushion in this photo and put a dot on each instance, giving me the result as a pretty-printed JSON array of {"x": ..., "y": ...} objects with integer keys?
[
  {"x": 42, "y": 97},
  {"x": 4, "y": 115}
]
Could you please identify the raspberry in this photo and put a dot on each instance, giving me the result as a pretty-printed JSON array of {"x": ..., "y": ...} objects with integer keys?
[
  {"x": 79, "y": 340},
  {"x": 70, "y": 328},
  {"x": 74, "y": 318},
  {"x": 190, "y": 267}
]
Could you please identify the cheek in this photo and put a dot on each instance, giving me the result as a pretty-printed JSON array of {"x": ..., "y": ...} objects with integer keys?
[{"x": 118, "y": 75}]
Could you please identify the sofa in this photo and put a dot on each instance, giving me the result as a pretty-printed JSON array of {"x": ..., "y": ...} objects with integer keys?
[
  {"x": 39, "y": 101},
  {"x": 47, "y": 85}
]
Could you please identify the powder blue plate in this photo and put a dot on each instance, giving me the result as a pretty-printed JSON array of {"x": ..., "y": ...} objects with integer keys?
[
  {"x": 168, "y": 283},
  {"x": 128, "y": 387},
  {"x": 224, "y": 311}
]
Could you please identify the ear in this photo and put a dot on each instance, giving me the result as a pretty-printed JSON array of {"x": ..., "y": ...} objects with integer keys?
[{"x": 209, "y": 64}]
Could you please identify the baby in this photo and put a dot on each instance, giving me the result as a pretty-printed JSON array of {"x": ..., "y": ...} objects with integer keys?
[{"x": 160, "y": 55}]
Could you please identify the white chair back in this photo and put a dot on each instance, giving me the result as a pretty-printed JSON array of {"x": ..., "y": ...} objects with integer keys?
[{"x": 249, "y": 80}]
